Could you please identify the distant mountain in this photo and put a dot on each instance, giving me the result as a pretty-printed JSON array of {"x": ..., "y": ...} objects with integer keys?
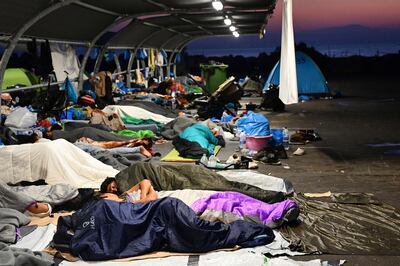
[
  {"x": 344, "y": 40},
  {"x": 349, "y": 34}
]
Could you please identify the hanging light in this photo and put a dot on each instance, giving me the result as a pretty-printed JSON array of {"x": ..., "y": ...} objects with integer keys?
[
  {"x": 236, "y": 34},
  {"x": 217, "y": 5},
  {"x": 232, "y": 28},
  {"x": 227, "y": 21}
]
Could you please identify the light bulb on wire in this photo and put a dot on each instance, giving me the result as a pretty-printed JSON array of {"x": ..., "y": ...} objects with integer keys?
[
  {"x": 232, "y": 28},
  {"x": 217, "y": 5},
  {"x": 236, "y": 34},
  {"x": 227, "y": 21}
]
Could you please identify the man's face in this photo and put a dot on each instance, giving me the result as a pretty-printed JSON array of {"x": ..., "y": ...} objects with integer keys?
[{"x": 112, "y": 188}]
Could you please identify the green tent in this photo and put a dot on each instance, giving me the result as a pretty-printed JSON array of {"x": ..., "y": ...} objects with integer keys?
[{"x": 18, "y": 76}]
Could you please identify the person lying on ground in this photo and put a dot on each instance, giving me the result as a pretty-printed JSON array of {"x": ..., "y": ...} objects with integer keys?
[
  {"x": 20, "y": 201},
  {"x": 115, "y": 147},
  {"x": 141, "y": 192},
  {"x": 89, "y": 132}
]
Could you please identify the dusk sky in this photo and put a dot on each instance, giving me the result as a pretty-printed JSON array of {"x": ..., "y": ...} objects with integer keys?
[
  {"x": 336, "y": 27},
  {"x": 315, "y": 14}
]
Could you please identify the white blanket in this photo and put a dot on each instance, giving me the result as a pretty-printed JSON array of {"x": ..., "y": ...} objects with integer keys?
[
  {"x": 55, "y": 161},
  {"x": 136, "y": 112}
]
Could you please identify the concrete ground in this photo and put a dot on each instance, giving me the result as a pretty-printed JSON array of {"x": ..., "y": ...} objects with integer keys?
[{"x": 345, "y": 160}]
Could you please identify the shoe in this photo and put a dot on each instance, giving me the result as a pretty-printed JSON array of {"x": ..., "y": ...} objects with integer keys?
[
  {"x": 233, "y": 159},
  {"x": 299, "y": 152},
  {"x": 270, "y": 159}
]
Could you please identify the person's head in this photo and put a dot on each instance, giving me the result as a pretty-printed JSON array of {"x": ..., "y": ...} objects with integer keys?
[{"x": 110, "y": 185}]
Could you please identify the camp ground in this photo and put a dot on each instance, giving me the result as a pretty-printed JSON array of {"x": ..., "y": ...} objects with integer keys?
[{"x": 114, "y": 151}]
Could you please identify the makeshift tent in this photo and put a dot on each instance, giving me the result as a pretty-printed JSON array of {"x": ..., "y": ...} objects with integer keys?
[
  {"x": 18, "y": 76},
  {"x": 310, "y": 79}
]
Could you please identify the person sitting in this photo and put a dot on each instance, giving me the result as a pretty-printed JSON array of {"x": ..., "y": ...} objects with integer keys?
[{"x": 139, "y": 193}]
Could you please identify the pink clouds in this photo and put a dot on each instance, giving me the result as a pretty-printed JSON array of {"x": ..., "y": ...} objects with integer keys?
[{"x": 315, "y": 14}]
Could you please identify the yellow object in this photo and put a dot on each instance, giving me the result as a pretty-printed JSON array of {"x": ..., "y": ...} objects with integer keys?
[
  {"x": 151, "y": 59},
  {"x": 173, "y": 156}
]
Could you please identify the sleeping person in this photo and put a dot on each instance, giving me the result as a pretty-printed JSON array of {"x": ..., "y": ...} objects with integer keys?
[
  {"x": 141, "y": 192},
  {"x": 198, "y": 139},
  {"x": 209, "y": 205},
  {"x": 115, "y": 147}
]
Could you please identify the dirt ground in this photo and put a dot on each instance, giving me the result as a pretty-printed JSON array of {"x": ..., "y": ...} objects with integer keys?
[{"x": 350, "y": 157}]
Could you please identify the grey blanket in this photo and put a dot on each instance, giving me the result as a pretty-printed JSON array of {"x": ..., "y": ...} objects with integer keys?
[
  {"x": 172, "y": 177},
  {"x": 176, "y": 126},
  {"x": 93, "y": 133},
  {"x": 10, "y": 220},
  {"x": 53, "y": 194},
  {"x": 22, "y": 256},
  {"x": 68, "y": 126},
  {"x": 150, "y": 106},
  {"x": 10, "y": 199},
  {"x": 118, "y": 161},
  {"x": 19, "y": 197}
]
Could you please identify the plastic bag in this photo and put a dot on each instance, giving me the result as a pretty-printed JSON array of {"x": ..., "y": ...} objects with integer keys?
[
  {"x": 254, "y": 124},
  {"x": 21, "y": 118},
  {"x": 72, "y": 96}
]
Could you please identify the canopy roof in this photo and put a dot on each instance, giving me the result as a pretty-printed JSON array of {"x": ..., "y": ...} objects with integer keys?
[{"x": 167, "y": 24}]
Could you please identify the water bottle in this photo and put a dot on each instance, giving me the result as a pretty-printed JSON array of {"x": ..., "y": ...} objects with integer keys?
[
  {"x": 242, "y": 140},
  {"x": 173, "y": 101},
  {"x": 285, "y": 138},
  {"x": 212, "y": 161},
  {"x": 204, "y": 159}
]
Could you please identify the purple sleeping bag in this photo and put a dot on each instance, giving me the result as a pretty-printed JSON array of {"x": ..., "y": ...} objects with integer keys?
[{"x": 243, "y": 207}]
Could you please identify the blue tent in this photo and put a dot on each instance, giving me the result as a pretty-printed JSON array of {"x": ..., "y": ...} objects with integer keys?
[{"x": 310, "y": 79}]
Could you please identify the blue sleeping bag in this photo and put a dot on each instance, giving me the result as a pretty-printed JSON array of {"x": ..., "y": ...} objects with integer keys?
[{"x": 106, "y": 229}]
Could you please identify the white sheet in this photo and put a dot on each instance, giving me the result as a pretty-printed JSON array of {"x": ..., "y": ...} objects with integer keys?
[
  {"x": 55, "y": 161},
  {"x": 257, "y": 179},
  {"x": 136, "y": 112},
  {"x": 39, "y": 239},
  {"x": 64, "y": 59},
  {"x": 288, "y": 78}
]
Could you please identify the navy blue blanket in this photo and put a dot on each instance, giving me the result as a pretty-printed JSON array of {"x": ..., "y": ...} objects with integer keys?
[{"x": 106, "y": 229}]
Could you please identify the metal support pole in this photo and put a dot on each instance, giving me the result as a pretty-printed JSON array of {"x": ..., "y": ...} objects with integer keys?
[
  {"x": 128, "y": 69},
  {"x": 99, "y": 59},
  {"x": 117, "y": 64},
  {"x": 13, "y": 41}
]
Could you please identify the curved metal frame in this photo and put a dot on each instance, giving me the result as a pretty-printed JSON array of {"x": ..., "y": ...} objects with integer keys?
[
  {"x": 103, "y": 50},
  {"x": 13, "y": 41},
  {"x": 176, "y": 50},
  {"x": 133, "y": 55},
  {"x": 92, "y": 43}
]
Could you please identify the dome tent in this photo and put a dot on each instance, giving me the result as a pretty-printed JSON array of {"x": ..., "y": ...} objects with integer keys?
[
  {"x": 310, "y": 79},
  {"x": 18, "y": 76}
]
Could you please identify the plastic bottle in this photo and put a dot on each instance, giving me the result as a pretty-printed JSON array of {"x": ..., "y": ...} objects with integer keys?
[
  {"x": 242, "y": 140},
  {"x": 173, "y": 101},
  {"x": 204, "y": 159},
  {"x": 285, "y": 138},
  {"x": 212, "y": 161}
]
